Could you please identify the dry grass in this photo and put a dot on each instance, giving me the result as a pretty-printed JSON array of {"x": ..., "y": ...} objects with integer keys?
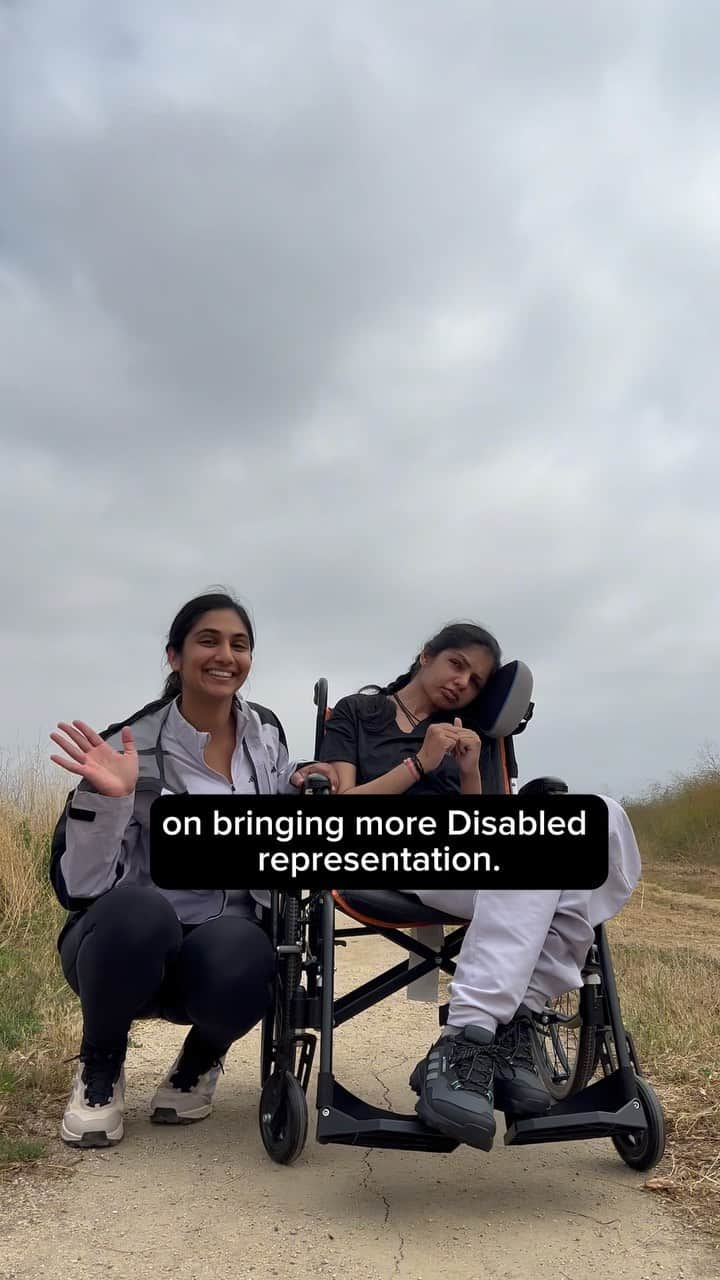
[
  {"x": 671, "y": 1001},
  {"x": 38, "y": 1015},
  {"x": 666, "y": 949},
  {"x": 678, "y": 826}
]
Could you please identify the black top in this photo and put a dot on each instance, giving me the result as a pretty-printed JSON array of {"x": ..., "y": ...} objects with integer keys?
[{"x": 362, "y": 730}]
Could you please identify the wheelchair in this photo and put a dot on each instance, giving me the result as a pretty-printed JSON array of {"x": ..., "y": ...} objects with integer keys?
[{"x": 585, "y": 1056}]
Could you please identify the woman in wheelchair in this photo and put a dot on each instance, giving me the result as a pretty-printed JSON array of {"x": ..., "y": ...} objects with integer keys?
[
  {"x": 520, "y": 949},
  {"x": 128, "y": 948}
]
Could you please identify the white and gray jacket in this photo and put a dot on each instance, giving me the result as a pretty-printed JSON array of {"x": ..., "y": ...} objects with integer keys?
[{"x": 102, "y": 841}]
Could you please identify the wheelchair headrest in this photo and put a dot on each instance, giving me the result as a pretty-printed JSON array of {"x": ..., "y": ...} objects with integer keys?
[{"x": 504, "y": 706}]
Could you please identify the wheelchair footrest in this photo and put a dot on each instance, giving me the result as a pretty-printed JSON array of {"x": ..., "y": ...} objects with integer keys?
[
  {"x": 347, "y": 1119},
  {"x": 601, "y": 1110}
]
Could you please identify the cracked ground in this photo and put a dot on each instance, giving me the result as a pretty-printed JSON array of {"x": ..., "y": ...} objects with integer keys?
[{"x": 205, "y": 1200}]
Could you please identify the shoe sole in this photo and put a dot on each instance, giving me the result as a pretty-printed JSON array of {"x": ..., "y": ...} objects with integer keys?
[
  {"x": 480, "y": 1136},
  {"x": 472, "y": 1135},
  {"x": 93, "y": 1138},
  {"x": 527, "y": 1111},
  {"x": 165, "y": 1115}
]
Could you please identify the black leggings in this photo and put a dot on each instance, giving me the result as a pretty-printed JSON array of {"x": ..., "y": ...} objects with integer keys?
[{"x": 129, "y": 957}]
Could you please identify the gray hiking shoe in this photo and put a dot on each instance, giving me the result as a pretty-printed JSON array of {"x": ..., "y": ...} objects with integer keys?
[
  {"x": 455, "y": 1084},
  {"x": 519, "y": 1091}
]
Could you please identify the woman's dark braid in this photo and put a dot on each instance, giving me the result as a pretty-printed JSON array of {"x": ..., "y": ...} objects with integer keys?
[{"x": 402, "y": 680}]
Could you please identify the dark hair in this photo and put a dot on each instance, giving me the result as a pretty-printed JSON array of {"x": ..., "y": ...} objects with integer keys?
[
  {"x": 455, "y": 635},
  {"x": 185, "y": 620},
  {"x": 182, "y": 624}
]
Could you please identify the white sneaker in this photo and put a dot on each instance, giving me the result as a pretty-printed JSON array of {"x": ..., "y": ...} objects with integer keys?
[
  {"x": 94, "y": 1113},
  {"x": 186, "y": 1092}
]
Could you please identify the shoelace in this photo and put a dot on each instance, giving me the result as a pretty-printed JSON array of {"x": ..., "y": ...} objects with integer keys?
[
  {"x": 100, "y": 1073},
  {"x": 474, "y": 1064},
  {"x": 514, "y": 1044},
  {"x": 191, "y": 1067}
]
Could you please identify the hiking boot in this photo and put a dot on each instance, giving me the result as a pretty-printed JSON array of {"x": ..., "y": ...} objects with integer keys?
[
  {"x": 519, "y": 1091},
  {"x": 94, "y": 1113},
  {"x": 455, "y": 1084},
  {"x": 186, "y": 1093}
]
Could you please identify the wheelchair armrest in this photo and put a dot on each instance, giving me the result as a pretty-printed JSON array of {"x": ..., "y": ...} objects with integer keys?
[
  {"x": 543, "y": 787},
  {"x": 316, "y": 784}
]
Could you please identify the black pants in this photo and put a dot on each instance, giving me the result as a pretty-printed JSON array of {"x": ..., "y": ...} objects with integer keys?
[{"x": 129, "y": 957}]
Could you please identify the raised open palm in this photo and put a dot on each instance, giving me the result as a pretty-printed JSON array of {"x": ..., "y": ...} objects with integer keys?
[{"x": 112, "y": 773}]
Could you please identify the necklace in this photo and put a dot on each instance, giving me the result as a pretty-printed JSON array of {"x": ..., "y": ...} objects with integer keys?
[{"x": 414, "y": 720}]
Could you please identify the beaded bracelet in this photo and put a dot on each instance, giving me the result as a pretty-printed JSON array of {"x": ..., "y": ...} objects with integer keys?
[{"x": 412, "y": 767}]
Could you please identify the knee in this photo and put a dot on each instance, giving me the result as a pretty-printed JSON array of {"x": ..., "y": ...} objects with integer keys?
[
  {"x": 135, "y": 915},
  {"x": 231, "y": 955},
  {"x": 248, "y": 953}
]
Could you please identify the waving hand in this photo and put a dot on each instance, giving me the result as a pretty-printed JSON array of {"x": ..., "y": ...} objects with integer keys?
[{"x": 112, "y": 773}]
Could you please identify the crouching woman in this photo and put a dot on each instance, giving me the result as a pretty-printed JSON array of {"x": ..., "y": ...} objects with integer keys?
[{"x": 128, "y": 948}]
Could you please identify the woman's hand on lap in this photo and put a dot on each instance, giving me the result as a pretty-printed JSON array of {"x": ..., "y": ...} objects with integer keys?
[{"x": 110, "y": 772}]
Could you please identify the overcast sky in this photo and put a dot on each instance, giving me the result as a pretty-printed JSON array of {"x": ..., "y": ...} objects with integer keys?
[{"x": 380, "y": 315}]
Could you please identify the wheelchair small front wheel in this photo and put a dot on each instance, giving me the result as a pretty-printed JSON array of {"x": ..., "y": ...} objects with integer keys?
[
  {"x": 643, "y": 1150},
  {"x": 283, "y": 1117}
]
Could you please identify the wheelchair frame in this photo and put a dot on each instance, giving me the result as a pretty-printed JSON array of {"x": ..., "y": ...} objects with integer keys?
[{"x": 621, "y": 1104}]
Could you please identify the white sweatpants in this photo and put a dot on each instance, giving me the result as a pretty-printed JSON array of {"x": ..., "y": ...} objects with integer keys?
[{"x": 530, "y": 946}]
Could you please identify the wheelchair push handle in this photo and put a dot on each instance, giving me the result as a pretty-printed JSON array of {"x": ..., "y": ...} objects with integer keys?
[
  {"x": 320, "y": 698},
  {"x": 316, "y": 784},
  {"x": 544, "y": 787}
]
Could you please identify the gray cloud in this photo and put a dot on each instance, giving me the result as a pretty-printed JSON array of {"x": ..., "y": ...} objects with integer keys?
[{"x": 381, "y": 318}]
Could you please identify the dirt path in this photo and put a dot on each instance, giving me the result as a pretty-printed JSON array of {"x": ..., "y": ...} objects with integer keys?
[{"x": 205, "y": 1200}]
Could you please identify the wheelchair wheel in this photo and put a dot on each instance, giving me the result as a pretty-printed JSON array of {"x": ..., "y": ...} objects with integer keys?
[
  {"x": 276, "y": 1024},
  {"x": 283, "y": 1117},
  {"x": 645, "y": 1149},
  {"x": 568, "y": 1050},
  {"x": 266, "y": 1044}
]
